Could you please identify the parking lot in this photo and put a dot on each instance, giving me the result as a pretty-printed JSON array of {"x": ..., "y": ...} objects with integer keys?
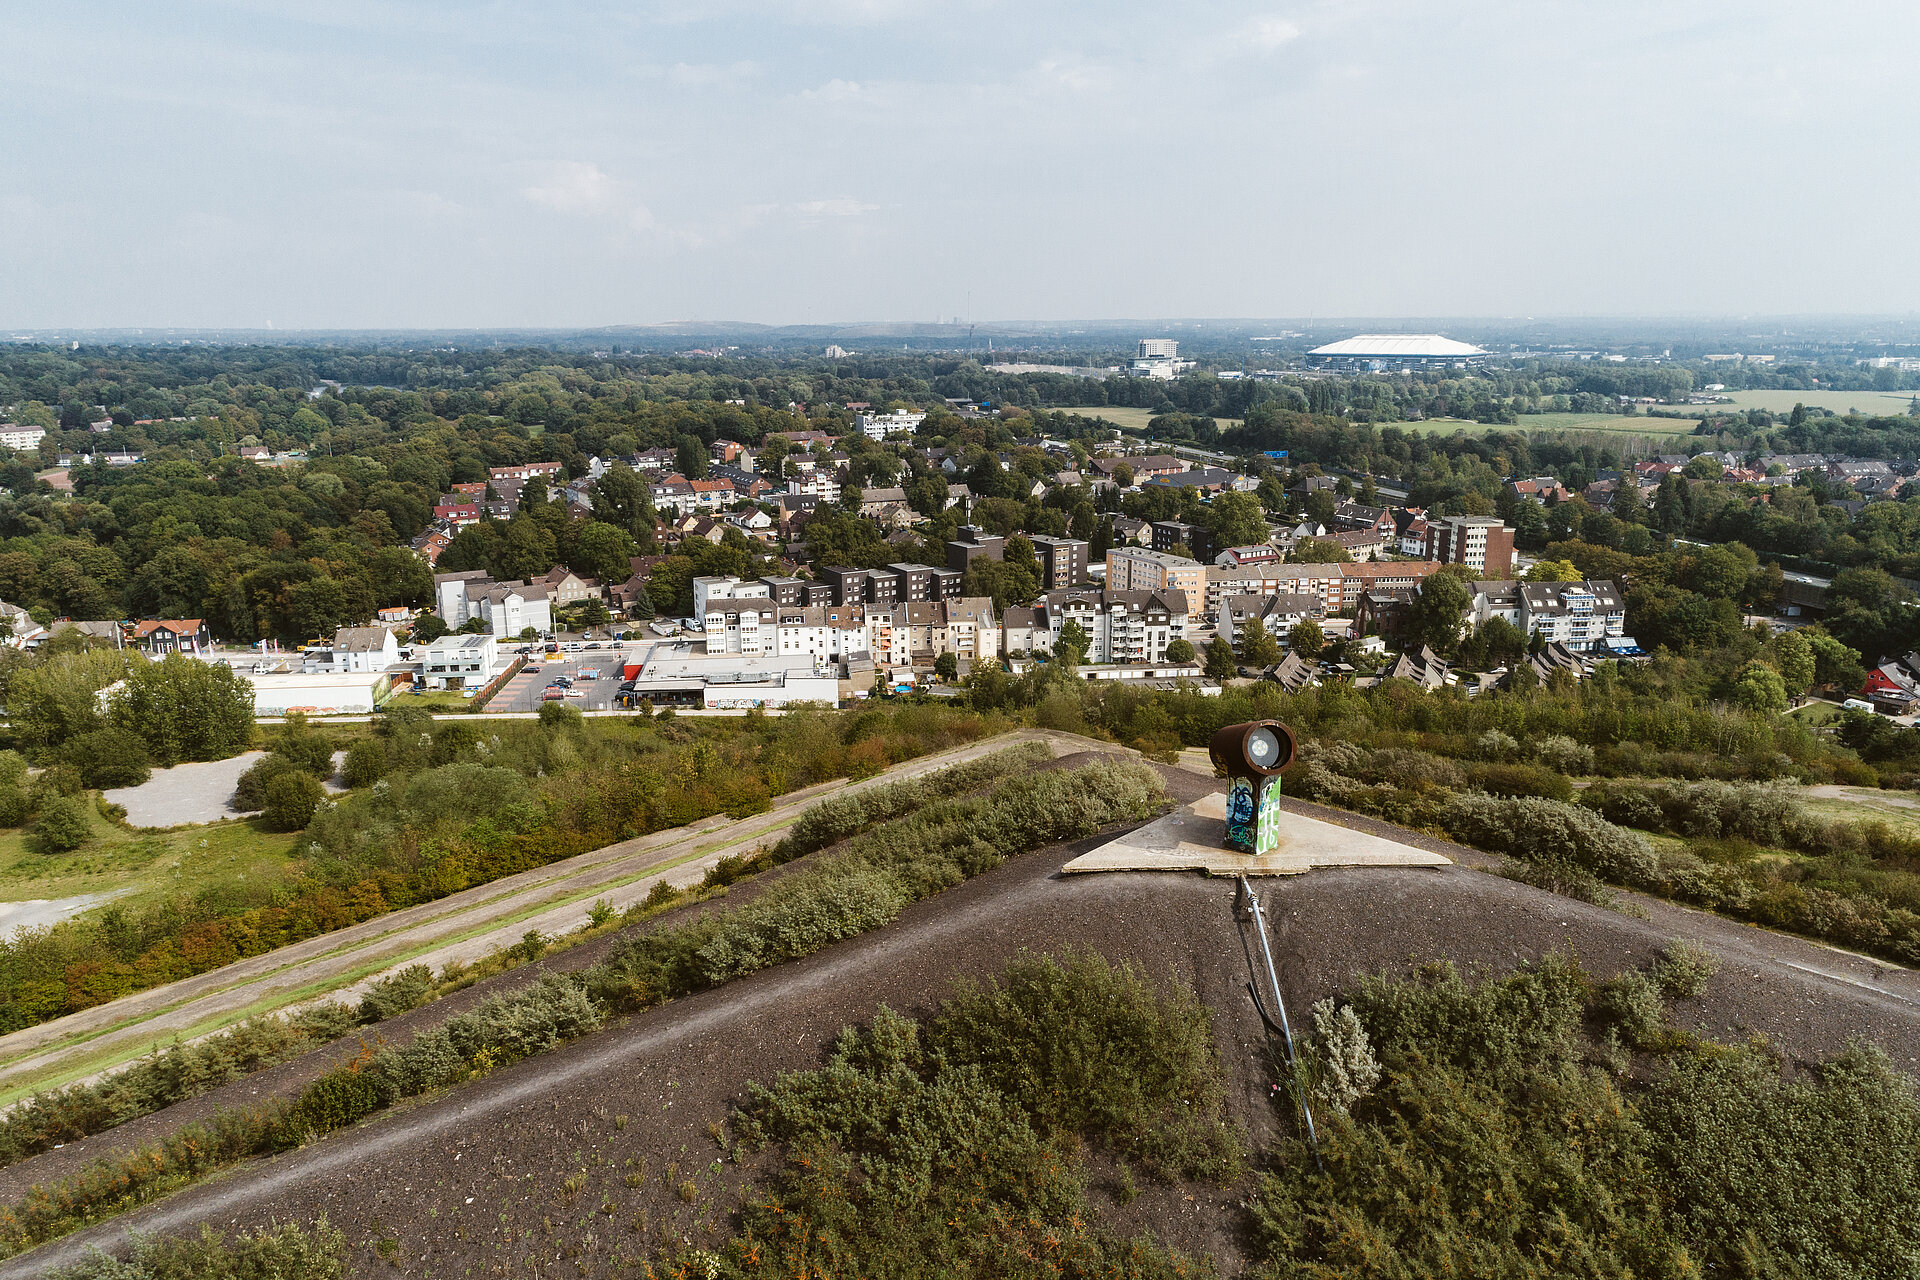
[{"x": 525, "y": 692}]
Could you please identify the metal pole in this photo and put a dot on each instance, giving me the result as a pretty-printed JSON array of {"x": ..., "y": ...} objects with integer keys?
[{"x": 1286, "y": 1031}]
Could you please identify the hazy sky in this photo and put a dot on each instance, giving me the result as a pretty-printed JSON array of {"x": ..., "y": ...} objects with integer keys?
[{"x": 347, "y": 163}]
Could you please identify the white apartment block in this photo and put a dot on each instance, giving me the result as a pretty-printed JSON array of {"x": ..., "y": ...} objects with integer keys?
[
  {"x": 1121, "y": 626},
  {"x": 16, "y": 437}
]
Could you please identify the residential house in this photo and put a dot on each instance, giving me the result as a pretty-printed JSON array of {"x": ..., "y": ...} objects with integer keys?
[
  {"x": 565, "y": 587},
  {"x": 1582, "y": 616},
  {"x": 158, "y": 636},
  {"x": 1122, "y": 626},
  {"x": 1355, "y": 515},
  {"x": 357, "y": 649},
  {"x": 1361, "y": 544},
  {"x": 460, "y": 661},
  {"x": 1279, "y": 613}
]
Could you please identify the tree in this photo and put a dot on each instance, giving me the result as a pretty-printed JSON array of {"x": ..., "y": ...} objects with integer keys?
[
  {"x": 690, "y": 457},
  {"x": 1220, "y": 662},
  {"x": 1073, "y": 637},
  {"x": 428, "y": 627},
  {"x": 1256, "y": 646},
  {"x": 1553, "y": 571},
  {"x": 62, "y": 826},
  {"x": 1306, "y": 638},
  {"x": 1833, "y": 662},
  {"x": 1236, "y": 520},
  {"x": 1123, "y": 476},
  {"x": 624, "y": 500},
  {"x": 1703, "y": 468},
  {"x": 602, "y": 551},
  {"x": 1793, "y": 658},
  {"x": 1759, "y": 688},
  {"x": 947, "y": 667},
  {"x": 1320, "y": 551},
  {"x": 1438, "y": 608},
  {"x": 109, "y": 757},
  {"x": 291, "y": 800},
  {"x": 1180, "y": 650},
  {"x": 184, "y": 709}
]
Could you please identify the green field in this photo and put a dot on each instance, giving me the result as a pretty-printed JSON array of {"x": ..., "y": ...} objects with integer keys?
[
  {"x": 1610, "y": 423},
  {"x": 145, "y": 867},
  {"x": 1132, "y": 419},
  {"x": 1870, "y": 403}
]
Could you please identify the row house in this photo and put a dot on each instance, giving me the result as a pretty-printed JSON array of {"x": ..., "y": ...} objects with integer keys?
[
  {"x": 1355, "y": 515},
  {"x": 1278, "y": 613},
  {"x": 825, "y": 633},
  {"x": 523, "y": 471}
]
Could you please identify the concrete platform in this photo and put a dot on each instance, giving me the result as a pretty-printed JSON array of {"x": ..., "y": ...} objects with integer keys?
[{"x": 1189, "y": 838}]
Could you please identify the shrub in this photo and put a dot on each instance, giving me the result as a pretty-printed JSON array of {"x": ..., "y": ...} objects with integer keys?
[
  {"x": 1093, "y": 1048},
  {"x": 558, "y": 715},
  {"x": 280, "y": 1252},
  {"x": 1682, "y": 970},
  {"x": 62, "y": 826},
  {"x": 1629, "y": 1006},
  {"x": 16, "y": 806},
  {"x": 1520, "y": 780},
  {"x": 1495, "y": 745},
  {"x": 291, "y": 799},
  {"x": 1563, "y": 755},
  {"x": 1340, "y": 1065},
  {"x": 250, "y": 793},
  {"x": 57, "y": 780},
  {"x": 395, "y": 994},
  {"x": 366, "y": 762},
  {"x": 1544, "y": 831},
  {"x": 109, "y": 757}
]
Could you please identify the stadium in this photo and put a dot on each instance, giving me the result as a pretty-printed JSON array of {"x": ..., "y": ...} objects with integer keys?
[{"x": 1378, "y": 352}]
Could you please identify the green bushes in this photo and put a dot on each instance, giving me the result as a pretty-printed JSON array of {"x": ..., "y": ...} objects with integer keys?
[
  {"x": 835, "y": 819},
  {"x": 290, "y": 801},
  {"x": 1503, "y": 1137},
  {"x": 1094, "y": 1049},
  {"x": 280, "y": 1252},
  {"x": 948, "y": 1149},
  {"x": 171, "y": 1075},
  {"x": 62, "y": 826},
  {"x": 1519, "y": 780},
  {"x": 391, "y": 996},
  {"x": 108, "y": 758},
  {"x": 1542, "y": 830},
  {"x": 863, "y": 885},
  {"x": 509, "y": 800}
]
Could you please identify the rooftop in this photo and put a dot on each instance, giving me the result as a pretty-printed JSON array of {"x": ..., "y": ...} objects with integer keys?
[{"x": 1399, "y": 346}]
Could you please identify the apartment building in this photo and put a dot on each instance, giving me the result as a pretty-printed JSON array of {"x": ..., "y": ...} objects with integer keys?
[
  {"x": 1121, "y": 626},
  {"x": 1482, "y": 543},
  {"x": 1141, "y": 569}
]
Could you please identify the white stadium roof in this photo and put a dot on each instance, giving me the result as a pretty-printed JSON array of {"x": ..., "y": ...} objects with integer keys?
[{"x": 1399, "y": 346}]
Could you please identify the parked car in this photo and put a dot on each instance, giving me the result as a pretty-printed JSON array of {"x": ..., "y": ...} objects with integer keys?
[{"x": 552, "y": 693}]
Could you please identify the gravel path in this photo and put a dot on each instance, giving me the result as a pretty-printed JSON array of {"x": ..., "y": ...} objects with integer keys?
[
  {"x": 476, "y": 1180},
  {"x": 185, "y": 793}
]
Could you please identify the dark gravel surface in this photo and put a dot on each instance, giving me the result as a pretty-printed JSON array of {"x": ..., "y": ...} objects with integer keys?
[{"x": 528, "y": 1171}]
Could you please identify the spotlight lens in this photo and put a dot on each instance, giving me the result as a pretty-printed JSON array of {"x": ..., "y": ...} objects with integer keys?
[{"x": 1262, "y": 746}]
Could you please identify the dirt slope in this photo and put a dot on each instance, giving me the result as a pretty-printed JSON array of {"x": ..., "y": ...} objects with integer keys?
[{"x": 476, "y": 1182}]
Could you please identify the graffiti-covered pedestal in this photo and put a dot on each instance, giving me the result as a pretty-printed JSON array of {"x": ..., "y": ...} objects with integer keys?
[{"x": 1252, "y": 756}]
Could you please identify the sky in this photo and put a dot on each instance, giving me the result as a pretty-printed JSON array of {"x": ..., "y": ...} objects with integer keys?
[{"x": 354, "y": 164}]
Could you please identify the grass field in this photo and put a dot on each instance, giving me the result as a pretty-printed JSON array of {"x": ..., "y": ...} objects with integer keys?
[
  {"x": 144, "y": 866},
  {"x": 1133, "y": 419},
  {"x": 1870, "y": 403}
]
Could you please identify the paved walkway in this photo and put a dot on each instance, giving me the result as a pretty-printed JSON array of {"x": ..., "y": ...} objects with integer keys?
[{"x": 195, "y": 793}]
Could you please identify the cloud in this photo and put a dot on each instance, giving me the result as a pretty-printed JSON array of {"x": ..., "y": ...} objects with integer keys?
[
  {"x": 707, "y": 74},
  {"x": 833, "y": 91},
  {"x": 1269, "y": 33},
  {"x": 841, "y": 208},
  {"x": 576, "y": 187}
]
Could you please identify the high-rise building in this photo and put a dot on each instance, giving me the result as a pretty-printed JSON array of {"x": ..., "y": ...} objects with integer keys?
[{"x": 1482, "y": 543}]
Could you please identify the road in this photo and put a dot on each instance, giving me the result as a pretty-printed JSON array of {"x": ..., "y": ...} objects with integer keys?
[
  {"x": 559, "y": 1161},
  {"x": 461, "y": 926}
]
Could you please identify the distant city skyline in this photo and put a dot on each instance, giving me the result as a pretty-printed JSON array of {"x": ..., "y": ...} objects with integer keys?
[{"x": 383, "y": 166}]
